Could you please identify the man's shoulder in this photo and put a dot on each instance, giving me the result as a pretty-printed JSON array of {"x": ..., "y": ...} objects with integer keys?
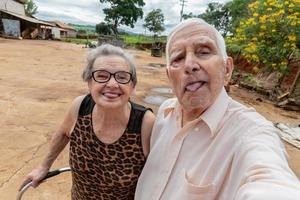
[
  {"x": 246, "y": 116},
  {"x": 246, "y": 124}
]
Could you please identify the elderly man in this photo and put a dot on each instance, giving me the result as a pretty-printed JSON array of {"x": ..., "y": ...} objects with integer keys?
[{"x": 205, "y": 145}]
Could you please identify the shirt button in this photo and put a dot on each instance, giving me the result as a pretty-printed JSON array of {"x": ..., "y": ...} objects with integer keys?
[{"x": 196, "y": 129}]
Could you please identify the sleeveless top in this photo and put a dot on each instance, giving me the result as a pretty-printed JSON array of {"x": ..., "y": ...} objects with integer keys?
[{"x": 105, "y": 171}]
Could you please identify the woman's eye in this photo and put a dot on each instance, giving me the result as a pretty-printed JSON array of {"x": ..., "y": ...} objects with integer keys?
[
  {"x": 121, "y": 77},
  {"x": 102, "y": 76}
]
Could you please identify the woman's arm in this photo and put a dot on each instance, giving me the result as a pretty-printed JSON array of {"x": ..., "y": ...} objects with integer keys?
[
  {"x": 147, "y": 125},
  {"x": 58, "y": 142}
]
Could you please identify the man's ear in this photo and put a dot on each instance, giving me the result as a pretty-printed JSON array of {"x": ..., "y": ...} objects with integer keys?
[
  {"x": 168, "y": 75},
  {"x": 228, "y": 70},
  {"x": 167, "y": 71}
]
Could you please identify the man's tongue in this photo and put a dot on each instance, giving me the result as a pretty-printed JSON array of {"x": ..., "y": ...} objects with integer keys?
[{"x": 193, "y": 87}]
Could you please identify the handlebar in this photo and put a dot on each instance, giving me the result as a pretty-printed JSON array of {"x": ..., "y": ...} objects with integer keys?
[{"x": 49, "y": 175}]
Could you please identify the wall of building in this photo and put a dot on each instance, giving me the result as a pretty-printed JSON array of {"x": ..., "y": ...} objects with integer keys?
[
  {"x": 56, "y": 32},
  {"x": 11, "y": 27},
  {"x": 71, "y": 34}
]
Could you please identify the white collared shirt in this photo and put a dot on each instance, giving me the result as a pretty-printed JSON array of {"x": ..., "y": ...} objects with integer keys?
[{"x": 229, "y": 152}]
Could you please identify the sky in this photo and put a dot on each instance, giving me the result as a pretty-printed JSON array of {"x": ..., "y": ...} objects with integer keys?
[{"x": 90, "y": 11}]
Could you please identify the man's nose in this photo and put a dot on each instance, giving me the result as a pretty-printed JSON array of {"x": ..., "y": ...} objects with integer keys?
[{"x": 191, "y": 64}]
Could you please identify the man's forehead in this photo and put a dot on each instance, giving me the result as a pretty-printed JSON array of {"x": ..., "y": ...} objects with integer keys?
[
  {"x": 197, "y": 41},
  {"x": 202, "y": 32}
]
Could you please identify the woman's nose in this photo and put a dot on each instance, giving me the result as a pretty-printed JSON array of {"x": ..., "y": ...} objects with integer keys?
[{"x": 112, "y": 81}]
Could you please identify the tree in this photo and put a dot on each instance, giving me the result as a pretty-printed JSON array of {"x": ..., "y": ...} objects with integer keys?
[
  {"x": 82, "y": 31},
  {"x": 218, "y": 15},
  {"x": 190, "y": 15},
  {"x": 154, "y": 21},
  {"x": 103, "y": 28},
  {"x": 225, "y": 17},
  {"x": 237, "y": 10},
  {"x": 124, "y": 12},
  {"x": 270, "y": 34},
  {"x": 30, "y": 8}
]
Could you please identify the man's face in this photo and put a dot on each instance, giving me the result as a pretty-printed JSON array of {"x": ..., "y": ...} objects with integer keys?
[{"x": 197, "y": 70}]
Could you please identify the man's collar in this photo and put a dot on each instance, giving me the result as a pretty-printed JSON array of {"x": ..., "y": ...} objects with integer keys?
[
  {"x": 212, "y": 116},
  {"x": 170, "y": 108}
]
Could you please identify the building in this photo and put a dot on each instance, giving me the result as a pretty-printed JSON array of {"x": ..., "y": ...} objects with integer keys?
[
  {"x": 14, "y": 23},
  {"x": 61, "y": 30}
]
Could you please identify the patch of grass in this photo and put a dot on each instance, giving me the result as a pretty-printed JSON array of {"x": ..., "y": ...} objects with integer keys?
[{"x": 141, "y": 39}]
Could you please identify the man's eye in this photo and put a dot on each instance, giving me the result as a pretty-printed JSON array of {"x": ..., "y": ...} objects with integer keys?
[
  {"x": 177, "y": 59},
  {"x": 204, "y": 51}
]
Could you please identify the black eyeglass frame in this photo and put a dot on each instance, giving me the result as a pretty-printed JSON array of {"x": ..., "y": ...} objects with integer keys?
[{"x": 110, "y": 75}]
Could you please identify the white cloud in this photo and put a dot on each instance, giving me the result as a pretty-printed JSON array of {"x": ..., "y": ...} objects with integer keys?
[
  {"x": 90, "y": 11},
  {"x": 82, "y": 12}
]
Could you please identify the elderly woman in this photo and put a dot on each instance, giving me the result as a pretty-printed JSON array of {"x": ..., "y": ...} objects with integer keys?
[{"x": 109, "y": 135}]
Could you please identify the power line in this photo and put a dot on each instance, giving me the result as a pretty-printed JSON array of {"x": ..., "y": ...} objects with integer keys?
[{"x": 182, "y": 7}]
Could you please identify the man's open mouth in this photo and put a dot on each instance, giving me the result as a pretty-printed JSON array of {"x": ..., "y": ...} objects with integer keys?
[{"x": 192, "y": 87}]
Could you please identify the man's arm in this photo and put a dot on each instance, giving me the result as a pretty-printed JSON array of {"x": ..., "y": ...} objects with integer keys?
[{"x": 262, "y": 168}]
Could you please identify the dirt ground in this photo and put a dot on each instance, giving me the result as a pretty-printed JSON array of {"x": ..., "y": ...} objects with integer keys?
[{"x": 39, "y": 79}]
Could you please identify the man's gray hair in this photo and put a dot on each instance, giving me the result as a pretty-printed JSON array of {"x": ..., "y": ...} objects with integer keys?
[
  {"x": 108, "y": 50},
  {"x": 197, "y": 21}
]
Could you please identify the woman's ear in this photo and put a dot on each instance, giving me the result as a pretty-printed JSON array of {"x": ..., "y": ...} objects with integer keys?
[
  {"x": 90, "y": 84},
  {"x": 133, "y": 91},
  {"x": 228, "y": 70}
]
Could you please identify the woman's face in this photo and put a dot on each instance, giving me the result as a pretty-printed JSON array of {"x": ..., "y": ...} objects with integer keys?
[{"x": 110, "y": 94}]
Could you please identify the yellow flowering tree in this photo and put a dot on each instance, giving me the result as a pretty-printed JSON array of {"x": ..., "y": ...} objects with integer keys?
[{"x": 270, "y": 34}]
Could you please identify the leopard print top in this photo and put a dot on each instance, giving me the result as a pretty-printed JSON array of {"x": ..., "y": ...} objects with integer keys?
[{"x": 105, "y": 171}]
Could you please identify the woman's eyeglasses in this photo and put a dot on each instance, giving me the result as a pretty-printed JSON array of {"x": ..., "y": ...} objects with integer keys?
[{"x": 103, "y": 76}]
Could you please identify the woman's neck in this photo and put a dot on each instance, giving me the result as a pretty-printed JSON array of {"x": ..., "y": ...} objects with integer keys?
[{"x": 111, "y": 117}]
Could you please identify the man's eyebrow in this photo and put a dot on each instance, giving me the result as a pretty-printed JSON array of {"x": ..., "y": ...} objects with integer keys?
[
  {"x": 175, "y": 53},
  {"x": 176, "y": 49},
  {"x": 204, "y": 40}
]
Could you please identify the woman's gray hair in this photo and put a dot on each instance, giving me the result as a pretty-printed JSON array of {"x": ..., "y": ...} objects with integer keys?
[
  {"x": 108, "y": 50},
  {"x": 197, "y": 21}
]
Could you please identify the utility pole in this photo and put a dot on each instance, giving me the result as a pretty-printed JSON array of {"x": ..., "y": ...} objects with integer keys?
[{"x": 182, "y": 7}]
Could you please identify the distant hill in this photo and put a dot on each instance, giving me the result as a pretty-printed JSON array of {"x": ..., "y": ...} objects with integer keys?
[
  {"x": 87, "y": 28},
  {"x": 91, "y": 29}
]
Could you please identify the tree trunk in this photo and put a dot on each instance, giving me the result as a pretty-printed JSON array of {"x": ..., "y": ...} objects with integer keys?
[{"x": 115, "y": 28}]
